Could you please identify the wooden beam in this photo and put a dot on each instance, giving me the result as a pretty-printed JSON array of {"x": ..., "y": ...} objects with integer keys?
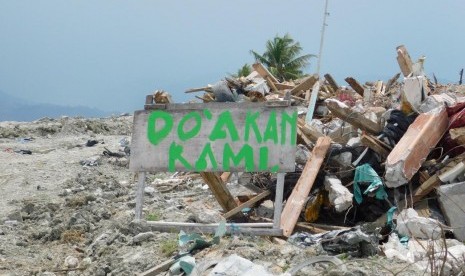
[
  {"x": 159, "y": 268},
  {"x": 192, "y": 90},
  {"x": 379, "y": 87},
  {"x": 264, "y": 73},
  {"x": 246, "y": 204},
  {"x": 255, "y": 229},
  {"x": 354, "y": 118},
  {"x": 391, "y": 82},
  {"x": 332, "y": 83},
  {"x": 413, "y": 148},
  {"x": 304, "y": 137},
  {"x": 404, "y": 60},
  {"x": 296, "y": 201},
  {"x": 307, "y": 84},
  {"x": 282, "y": 86},
  {"x": 376, "y": 145},
  {"x": 355, "y": 85},
  {"x": 219, "y": 190},
  {"x": 309, "y": 131}
]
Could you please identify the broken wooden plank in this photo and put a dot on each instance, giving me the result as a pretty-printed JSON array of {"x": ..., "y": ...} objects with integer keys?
[
  {"x": 427, "y": 187},
  {"x": 376, "y": 145},
  {"x": 246, "y": 204},
  {"x": 404, "y": 60},
  {"x": 309, "y": 131},
  {"x": 391, "y": 82},
  {"x": 257, "y": 229},
  {"x": 205, "y": 88},
  {"x": 354, "y": 118},
  {"x": 413, "y": 148},
  {"x": 282, "y": 86},
  {"x": 379, "y": 87},
  {"x": 159, "y": 268},
  {"x": 332, "y": 83},
  {"x": 307, "y": 84},
  {"x": 355, "y": 85},
  {"x": 225, "y": 176},
  {"x": 303, "y": 137},
  {"x": 263, "y": 72},
  {"x": 219, "y": 190},
  {"x": 296, "y": 200},
  {"x": 318, "y": 228}
]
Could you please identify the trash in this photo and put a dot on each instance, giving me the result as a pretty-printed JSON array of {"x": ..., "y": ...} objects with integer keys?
[
  {"x": 366, "y": 174},
  {"x": 235, "y": 265},
  {"x": 184, "y": 264},
  {"x": 22, "y": 151},
  {"x": 353, "y": 241},
  {"x": 91, "y": 143},
  {"x": 410, "y": 224}
]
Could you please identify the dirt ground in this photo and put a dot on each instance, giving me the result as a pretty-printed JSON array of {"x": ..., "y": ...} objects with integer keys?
[{"x": 67, "y": 209}]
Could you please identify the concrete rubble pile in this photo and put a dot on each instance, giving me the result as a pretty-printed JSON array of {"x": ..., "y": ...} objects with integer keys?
[{"x": 392, "y": 161}]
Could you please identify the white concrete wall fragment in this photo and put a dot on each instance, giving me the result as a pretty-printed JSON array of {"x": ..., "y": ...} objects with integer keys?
[{"x": 452, "y": 203}]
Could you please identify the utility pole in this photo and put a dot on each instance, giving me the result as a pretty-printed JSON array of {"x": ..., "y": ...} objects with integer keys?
[
  {"x": 323, "y": 29},
  {"x": 316, "y": 87}
]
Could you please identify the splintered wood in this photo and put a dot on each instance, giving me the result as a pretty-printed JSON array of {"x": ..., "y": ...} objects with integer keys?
[{"x": 296, "y": 201}]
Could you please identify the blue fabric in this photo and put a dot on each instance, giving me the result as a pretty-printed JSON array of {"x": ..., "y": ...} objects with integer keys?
[{"x": 365, "y": 173}]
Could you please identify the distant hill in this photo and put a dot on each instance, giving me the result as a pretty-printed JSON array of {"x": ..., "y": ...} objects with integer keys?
[{"x": 16, "y": 109}]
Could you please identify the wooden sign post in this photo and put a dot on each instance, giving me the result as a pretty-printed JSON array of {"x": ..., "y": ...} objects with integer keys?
[{"x": 211, "y": 137}]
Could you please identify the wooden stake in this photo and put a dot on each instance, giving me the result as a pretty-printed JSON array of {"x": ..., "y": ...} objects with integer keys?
[
  {"x": 296, "y": 201},
  {"x": 404, "y": 60},
  {"x": 332, "y": 83},
  {"x": 355, "y": 85},
  {"x": 247, "y": 204},
  {"x": 219, "y": 190}
]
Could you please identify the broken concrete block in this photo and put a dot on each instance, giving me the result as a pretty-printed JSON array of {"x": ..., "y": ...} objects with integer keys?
[
  {"x": 452, "y": 203},
  {"x": 339, "y": 196},
  {"x": 150, "y": 191},
  {"x": 141, "y": 237},
  {"x": 413, "y": 148},
  {"x": 415, "y": 90},
  {"x": 410, "y": 224},
  {"x": 434, "y": 101},
  {"x": 302, "y": 155}
]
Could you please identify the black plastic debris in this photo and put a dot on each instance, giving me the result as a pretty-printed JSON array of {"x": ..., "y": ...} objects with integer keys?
[
  {"x": 91, "y": 143},
  {"x": 352, "y": 241}
]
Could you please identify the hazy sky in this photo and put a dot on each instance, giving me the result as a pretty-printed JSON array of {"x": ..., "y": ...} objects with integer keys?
[{"x": 110, "y": 54}]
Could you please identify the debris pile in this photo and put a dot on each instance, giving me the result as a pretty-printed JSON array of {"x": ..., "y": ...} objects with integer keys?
[
  {"x": 380, "y": 174},
  {"x": 388, "y": 156}
]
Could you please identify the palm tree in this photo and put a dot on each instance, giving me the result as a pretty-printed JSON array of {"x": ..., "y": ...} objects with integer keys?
[
  {"x": 244, "y": 71},
  {"x": 282, "y": 58}
]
